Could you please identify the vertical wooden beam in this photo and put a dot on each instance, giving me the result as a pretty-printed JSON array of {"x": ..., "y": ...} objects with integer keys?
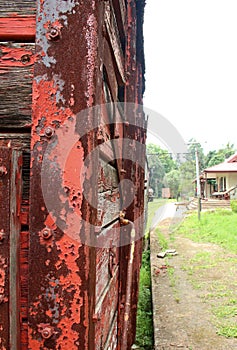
[
  {"x": 15, "y": 229},
  {"x": 5, "y": 175}
]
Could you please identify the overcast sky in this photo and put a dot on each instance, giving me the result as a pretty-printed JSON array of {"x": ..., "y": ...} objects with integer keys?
[{"x": 191, "y": 67}]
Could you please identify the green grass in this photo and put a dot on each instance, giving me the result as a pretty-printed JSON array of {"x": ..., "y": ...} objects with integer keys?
[
  {"x": 144, "y": 330},
  {"x": 227, "y": 330},
  {"x": 219, "y": 227},
  {"x": 163, "y": 243}
]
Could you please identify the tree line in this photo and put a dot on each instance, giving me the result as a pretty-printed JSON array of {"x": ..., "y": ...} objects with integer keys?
[{"x": 167, "y": 171}]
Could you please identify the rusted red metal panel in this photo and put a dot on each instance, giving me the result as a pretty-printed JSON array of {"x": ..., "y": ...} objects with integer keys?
[
  {"x": 62, "y": 279},
  {"x": 76, "y": 296}
]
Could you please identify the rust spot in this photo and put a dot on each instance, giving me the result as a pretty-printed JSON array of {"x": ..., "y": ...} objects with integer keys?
[
  {"x": 3, "y": 170},
  {"x": 2, "y": 235}
]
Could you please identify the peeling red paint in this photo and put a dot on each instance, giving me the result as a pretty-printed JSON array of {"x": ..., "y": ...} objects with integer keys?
[
  {"x": 44, "y": 104},
  {"x": 17, "y": 27},
  {"x": 3, "y": 277}
]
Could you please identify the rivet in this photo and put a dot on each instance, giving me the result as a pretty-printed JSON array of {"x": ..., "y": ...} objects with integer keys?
[
  {"x": 47, "y": 332},
  {"x": 53, "y": 33},
  {"x": 25, "y": 59},
  {"x": 3, "y": 170},
  {"x": 49, "y": 132},
  {"x": 46, "y": 233}
]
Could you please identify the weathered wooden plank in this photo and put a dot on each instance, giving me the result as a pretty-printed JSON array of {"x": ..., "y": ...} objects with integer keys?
[
  {"x": 112, "y": 340},
  {"x": 108, "y": 194},
  {"x": 19, "y": 141},
  {"x": 5, "y": 172},
  {"x": 16, "y": 73},
  {"x": 120, "y": 12},
  {"x": 15, "y": 228},
  {"x": 110, "y": 74},
  {"x": 17, "y": 7},
  {"x": 105, "y": 312},
  {"x": 115, "y": 42},
  {"x": 17, "y": 28},
  {"x": 102, "y": 270}
]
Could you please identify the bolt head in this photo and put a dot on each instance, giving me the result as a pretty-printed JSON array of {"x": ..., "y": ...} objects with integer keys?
[
  {"x": 54, "y": 33},
  {"x": 46, "y": 233},
  {"x": 47, "y": 332},
  {"x": 49, "y": 132},
  {"x": 25, "y": 59}
]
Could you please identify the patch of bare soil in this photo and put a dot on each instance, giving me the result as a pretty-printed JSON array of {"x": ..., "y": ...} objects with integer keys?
[{"x": 186, "y": 288}]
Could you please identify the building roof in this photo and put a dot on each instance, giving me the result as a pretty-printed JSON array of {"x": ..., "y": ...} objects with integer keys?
[{"x": 229, "y": 165}]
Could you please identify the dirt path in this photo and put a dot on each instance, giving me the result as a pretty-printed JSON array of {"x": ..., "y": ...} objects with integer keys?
[{"x": 185, "y": 289}]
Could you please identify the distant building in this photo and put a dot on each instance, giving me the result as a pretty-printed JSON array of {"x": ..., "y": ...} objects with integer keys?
[
  {"x": 220, "y": 180},
  {"x": 166, "y": 192}
]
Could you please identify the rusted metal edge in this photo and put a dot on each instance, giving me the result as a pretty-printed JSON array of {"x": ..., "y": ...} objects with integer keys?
[{"x": 15, "y": 28}]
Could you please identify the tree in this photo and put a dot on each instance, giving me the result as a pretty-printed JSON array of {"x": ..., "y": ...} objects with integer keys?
[
  {"x": 160, "y": 162},
  {"x": 173, "y": 182},
  {"x": 193, "y": 146},
  {"x": 219, "y": 156}
]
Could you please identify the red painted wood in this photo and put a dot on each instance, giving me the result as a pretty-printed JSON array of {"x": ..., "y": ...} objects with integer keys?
[
  {"x": 17, "y": 28},
  {"x": 5, "y": 170}
]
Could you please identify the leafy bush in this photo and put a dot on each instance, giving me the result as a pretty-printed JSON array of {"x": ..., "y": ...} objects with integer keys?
[{"x": 233, "y": 204}]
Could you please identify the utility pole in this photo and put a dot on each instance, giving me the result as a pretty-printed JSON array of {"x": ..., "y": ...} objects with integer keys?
[{"x": 198, "y": 184}]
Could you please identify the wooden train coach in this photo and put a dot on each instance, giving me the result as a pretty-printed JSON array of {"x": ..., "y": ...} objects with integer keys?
[{"x": 72, "y": 159}]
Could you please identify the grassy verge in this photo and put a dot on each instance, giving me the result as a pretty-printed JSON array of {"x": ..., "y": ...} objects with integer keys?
[
  {"x": 164, "y": 245},
  {"x": 219, "y": 227},
  {"x": 144, "y": 331},
  {"x": 219, "y": 290}
]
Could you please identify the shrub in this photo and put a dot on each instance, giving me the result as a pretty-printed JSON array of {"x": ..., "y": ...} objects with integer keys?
[{"x": 233, "y": 205}]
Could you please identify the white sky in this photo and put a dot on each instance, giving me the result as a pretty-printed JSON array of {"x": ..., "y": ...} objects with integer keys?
[{"x": 191, "y": 67}]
